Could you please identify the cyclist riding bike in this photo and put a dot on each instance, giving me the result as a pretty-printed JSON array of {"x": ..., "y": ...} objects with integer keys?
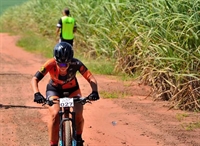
[{"x": 62, "y": 69}]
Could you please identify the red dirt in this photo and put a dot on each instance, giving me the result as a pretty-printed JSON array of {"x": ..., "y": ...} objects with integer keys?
[{"x": 138, "y": 120}]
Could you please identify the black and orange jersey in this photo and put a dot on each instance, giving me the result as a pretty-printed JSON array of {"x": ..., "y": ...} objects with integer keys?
[{"x": 67, "y": 81}]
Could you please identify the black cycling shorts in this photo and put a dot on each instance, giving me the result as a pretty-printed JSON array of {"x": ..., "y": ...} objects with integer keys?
[{"x": 56, "y": 91}]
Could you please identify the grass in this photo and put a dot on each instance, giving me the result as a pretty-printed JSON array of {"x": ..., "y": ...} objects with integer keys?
[
  {"x": 180, "y": 117},
  {"x": 100, "y": 66},
  {"x": 187, "y": 126},
  {"x": 113, "y": 94},
  {"x": 5, "y": 4},
  {"x": 36, "y": 44},
  {"x": 191, "y": 126}
]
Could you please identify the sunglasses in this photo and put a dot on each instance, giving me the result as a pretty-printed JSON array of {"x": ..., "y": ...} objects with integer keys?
[{"x": 63, "y": 64}]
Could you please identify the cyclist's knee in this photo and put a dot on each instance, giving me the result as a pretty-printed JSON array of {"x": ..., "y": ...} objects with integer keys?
[{"x": 54, "y": 116}]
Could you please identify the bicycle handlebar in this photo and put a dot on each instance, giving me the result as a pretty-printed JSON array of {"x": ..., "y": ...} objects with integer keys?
[{"x": 77, "y": 99}]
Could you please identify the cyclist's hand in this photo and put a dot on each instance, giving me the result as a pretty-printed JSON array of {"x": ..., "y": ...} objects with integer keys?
[
  {"x": 50, "y": 103},
  {"x": 94, "y": 96},
  {"x": 39, "y": 98}
]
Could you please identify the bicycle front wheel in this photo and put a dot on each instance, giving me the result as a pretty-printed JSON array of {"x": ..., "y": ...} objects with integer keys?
[{"x": 67, "y": 133}]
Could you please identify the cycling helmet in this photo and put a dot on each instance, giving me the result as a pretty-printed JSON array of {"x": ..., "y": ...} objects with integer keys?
[{"x": 63, "y": 52}]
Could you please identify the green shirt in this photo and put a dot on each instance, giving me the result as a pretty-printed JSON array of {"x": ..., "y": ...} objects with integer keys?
[{"x": 67, "y": 28}]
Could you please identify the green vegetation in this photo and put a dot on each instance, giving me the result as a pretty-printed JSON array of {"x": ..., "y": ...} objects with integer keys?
[
  {"x": 191, "y": 126},
  {"x": 113, "y": 94},
  {"x": 5, "y": 4},
  {"x": 187, "y": 126},
  {"x": 37, "y": 44},
  {"x": 155, "y": 40},
  {"x": 180, "y": 117}
]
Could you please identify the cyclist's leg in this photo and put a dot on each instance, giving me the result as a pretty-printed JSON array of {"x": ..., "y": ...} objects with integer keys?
[
  {"x": 78, "y": 108},
  {"x": 53, "y": 122}
]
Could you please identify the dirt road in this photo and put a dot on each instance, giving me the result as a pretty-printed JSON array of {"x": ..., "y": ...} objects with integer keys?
[{"x": 133, "y": 120}]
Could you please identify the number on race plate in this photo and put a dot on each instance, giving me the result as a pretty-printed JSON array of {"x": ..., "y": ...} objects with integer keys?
[{"x": 66, "y": 102}]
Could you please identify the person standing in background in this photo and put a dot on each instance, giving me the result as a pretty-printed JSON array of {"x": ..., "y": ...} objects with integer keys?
[{"x": 66, "y": 27}]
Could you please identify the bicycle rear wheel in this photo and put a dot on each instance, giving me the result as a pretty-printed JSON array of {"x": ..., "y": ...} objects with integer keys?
[{"x": 67, "y": 133}]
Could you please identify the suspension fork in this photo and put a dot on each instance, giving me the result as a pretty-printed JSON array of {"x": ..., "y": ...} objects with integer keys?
[
  {"x": 74, "y": 135},
  {"x": 63, "y": 116},
  {"x": 61, "y": 129},
  {"x": 73, "y": 125}
]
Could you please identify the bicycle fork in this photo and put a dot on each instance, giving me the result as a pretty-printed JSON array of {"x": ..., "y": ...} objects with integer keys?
[
  {"x": 62, "y": 120},
  {"x": 74, "y": 143}
]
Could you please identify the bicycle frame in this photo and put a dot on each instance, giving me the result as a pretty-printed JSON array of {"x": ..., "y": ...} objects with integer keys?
[{"x": 66, "y": 117}]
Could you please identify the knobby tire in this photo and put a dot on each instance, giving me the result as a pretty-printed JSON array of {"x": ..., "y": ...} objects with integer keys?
[{"x": 67, "y": 133}]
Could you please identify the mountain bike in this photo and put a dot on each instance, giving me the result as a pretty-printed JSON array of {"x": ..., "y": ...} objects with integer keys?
[{"x": 67, "y": 126}]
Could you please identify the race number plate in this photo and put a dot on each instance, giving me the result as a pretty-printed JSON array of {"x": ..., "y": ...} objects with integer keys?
[{"x": 66, "y": 102}]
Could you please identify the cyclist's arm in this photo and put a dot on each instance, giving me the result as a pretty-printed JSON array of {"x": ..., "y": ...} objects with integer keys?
[
  {"x": 39, "y": 75},
  {"x": 34, "y": 84},
  {"x": 87, "y": 75},
  {"x": 93, "y": 83},
  {"x": 90, "y": 78}
]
